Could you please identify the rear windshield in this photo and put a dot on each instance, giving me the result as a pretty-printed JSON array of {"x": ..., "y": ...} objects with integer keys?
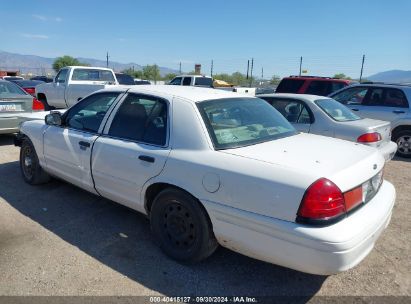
[
  {"x": 238, "y": 122},
  {"x": 9, "y": 88},
  {"x": 203, "y": 81},
  {"x": 92, "y": 75},
  {"x": 336, "y": 110},
  {"x": 289, "y": 85},
  {"x": 125, "y": 79}
]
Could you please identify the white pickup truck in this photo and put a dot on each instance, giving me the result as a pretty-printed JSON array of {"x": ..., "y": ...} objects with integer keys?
[{"x": 72, "y": 83}]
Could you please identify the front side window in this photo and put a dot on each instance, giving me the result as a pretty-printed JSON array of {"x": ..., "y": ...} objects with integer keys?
[
  {"x": 176, "y": 81},
  {"x": 141, "y": 118},
  {"x": 61, "y": 76},
  {"x": 186, "y": 81},
  {"x": 238, "y": 122},
  {"x": 352, "y": 96},
  {"x": 92, "y": 75},
  {"x": 336, "y": 110},
  {"x": 88, "y": 114},
  {"x": 318, "y": 88}
]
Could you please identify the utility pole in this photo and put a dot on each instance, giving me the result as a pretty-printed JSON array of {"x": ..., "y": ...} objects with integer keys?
[
  {"x": 107, "y": 60},
  {"x": 362, "y": 66},
  {"x": 180, "y": 68},
  {"x": 212, "y": 66},
  {"x": 248, "y": 67},
  {"x": 262, "y": 73},
  {"x": 251, "y": 72},
  {"x": 301, "y": 64}
]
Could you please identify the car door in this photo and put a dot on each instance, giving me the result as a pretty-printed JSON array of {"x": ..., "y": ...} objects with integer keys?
[
  {"x": 295, "y": 111},
  {"x": 67, "y": 148},
  {"x": 56, "y": 96},
  {"x": 385, "y": 103},
  {"x": 133, "y": 148}
]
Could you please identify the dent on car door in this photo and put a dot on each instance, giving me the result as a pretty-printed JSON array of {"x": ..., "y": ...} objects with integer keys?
[
  {"x": 132, "y": 150},
  {"x": 67, "y": 148}
]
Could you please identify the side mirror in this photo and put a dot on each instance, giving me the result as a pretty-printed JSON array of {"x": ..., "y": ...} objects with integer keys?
[{"x": 53, "y": 119}]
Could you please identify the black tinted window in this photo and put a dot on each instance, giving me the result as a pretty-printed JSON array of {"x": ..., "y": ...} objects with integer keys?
[
  {"x": 374, "y": 97},
  {"x": 187, "y": 81},
  {"x": 141, "y": 118},
  {"x": 88, "y": 114},
  {"x": 125, "y": 79},
  {"x": 203, "y": 81},
  {"x": 176, "y": 81},
  {"x": 289, "y": 86},
  {"x": 395, "y": 98},
  {"x": 318, "y": 88}
]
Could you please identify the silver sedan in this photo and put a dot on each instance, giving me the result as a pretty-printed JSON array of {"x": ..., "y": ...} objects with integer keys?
[
  {"x": 325, "y": 116},
  {"x": 14, "y": 102}
]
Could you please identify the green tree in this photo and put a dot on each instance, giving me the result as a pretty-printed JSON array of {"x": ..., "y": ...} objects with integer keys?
[
  {"x": 341, "y": 76},
  {"x": 275, "y": 79},
  {"x": 64, "y": 61},
  {"x": 151, "y": 72},
  {"x": 133, "y": 73},
  {"x": 169, "y": 76}
]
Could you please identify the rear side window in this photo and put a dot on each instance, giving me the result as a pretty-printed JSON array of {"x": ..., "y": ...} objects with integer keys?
[
  {"x": 318, "y": 88},
  {"x": 187, "y": 81},
  {"x": 203, "y": 81},
  {"x": 92, "y": 75},
  {"x": 142, "y": 119},
  {"x": 125, "y": 79},
  {"x": 294, "y": 111},
  {"x": 395, "y": 98},
  {"x": 288, "y": 85}
]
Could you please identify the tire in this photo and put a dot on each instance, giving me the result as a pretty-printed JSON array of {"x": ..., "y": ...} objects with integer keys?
[
  {"x": 30, "y": 167},
  {"x": 46, "y": 105},
  {"x": 403, "y": 140},
  {"x": 181, "y": 226}
]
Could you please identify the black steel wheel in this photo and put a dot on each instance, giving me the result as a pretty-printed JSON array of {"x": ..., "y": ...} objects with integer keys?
[
  {"x": 29, "y": 164},
  {"x": 181, "y": 226}
]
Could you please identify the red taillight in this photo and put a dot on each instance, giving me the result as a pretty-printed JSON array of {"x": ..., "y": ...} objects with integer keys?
[
  {"x": 369, "y": 137},
  {"x": 323, "y": 200},
  {"x": 31, "y": 91},
  {"x": 37, "y": 105}
]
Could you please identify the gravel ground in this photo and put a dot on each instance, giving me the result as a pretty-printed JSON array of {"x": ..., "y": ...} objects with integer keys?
[{"x": 56, "y": 239}]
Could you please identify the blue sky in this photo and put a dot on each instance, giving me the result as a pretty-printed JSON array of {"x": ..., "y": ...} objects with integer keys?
[{"x": 330, "y": 35}]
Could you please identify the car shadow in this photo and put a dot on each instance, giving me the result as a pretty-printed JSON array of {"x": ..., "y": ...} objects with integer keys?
[
  {"x": 6, "y": 139},
  {"x": 398, "y": 158},
  {"x": 120, "y": 238}
]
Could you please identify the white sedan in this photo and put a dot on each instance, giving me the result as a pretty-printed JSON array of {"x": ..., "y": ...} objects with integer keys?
[{"x": 210, "y": 167}]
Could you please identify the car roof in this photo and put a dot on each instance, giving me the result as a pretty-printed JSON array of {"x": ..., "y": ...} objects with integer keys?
[
  {"x": 190, "y": 93},
  {"x": 306, "y": 97},
  {"x": 405, "y": 87},
  {"x": 87, "y": 67},
  {"x": 319, "y": 78}
]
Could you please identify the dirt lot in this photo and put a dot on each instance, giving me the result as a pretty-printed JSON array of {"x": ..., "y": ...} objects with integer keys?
[{"x": 56, "y": 239}]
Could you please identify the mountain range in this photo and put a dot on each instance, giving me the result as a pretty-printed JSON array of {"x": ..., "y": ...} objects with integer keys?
[
  {"x": 41, "y": 65},
  {"x": 394, "y": 76}
]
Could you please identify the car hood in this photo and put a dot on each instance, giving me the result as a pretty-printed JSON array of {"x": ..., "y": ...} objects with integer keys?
[{"x": 346, "y": 163}]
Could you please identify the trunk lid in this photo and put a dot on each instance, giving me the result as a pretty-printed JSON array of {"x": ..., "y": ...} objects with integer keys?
[
  {"x": 367, "y": 125},
  {"x": 15, "y": 103}
]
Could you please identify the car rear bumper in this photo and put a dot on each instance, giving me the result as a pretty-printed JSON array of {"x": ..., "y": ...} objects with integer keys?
[
  {"x": 9, "y": 124},
  {"x": 317, "y": 250},
  {"x": 388, "y": 150}
]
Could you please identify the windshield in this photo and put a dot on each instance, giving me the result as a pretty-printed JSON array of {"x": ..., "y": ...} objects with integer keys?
[
  {"x": 238, "y": 122},
  {"x": 336, "y": 110}
]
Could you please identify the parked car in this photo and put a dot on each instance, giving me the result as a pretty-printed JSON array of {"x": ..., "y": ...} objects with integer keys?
[
  {"x": 313, "y": 85},
  {"x": 124, "y": 79},
  {"x": 141, "y": 81},
  {"x": 73, "y": 83},
  {"x": 14, "y": 102},
  {"x": 42, "y": 78},
  {"x": 388, "y": 102},
  {"x": 28, "y": 85},
  {"x": 212, "y": 167},
  {"x": 325, "y": 116},
  {"x": 192, "y": 80}
]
